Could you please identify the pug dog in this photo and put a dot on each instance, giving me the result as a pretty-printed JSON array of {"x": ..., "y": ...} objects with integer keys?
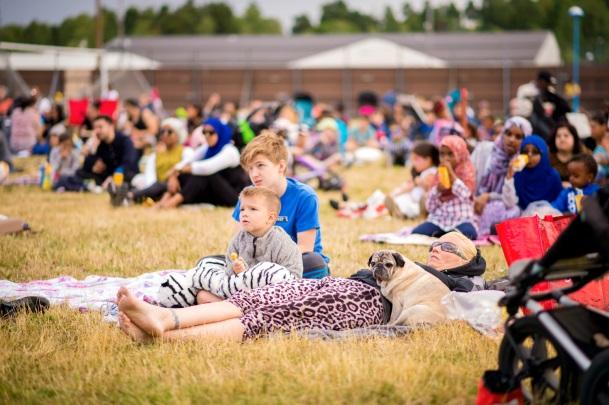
[{"x": 414, "y": 293}]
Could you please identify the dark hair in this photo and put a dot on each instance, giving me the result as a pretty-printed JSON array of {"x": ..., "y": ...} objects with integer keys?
[
  {"x": 132, "y": 102},
  {"x": 600, "y": 119},
  {"x": 197, "y": 108},
  {"x": 60, "y": 114},
  {"x": 588, "y": 161},
  {"x": 105, "y": 118},
  {"x": 426, "y": 150},
  {"x": 577, "y": 145},
  {"x": 65, "y": 137}
]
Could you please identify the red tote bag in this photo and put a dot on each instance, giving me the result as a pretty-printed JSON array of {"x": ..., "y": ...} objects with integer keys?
[
  {"x": 108, "y": 107},
  {"x": 530, "y": 238}
]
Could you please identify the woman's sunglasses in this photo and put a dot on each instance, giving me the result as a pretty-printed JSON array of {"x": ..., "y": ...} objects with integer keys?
[
  {"x": 167, "y": 131},
  {"x": 448, "y": 247},
  {"x": 207, "y": 131}
]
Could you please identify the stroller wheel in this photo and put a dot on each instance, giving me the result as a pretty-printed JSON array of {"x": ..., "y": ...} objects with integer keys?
[
  {"x": 595, "y": 384},
  {"x": 542, "y": 367}
]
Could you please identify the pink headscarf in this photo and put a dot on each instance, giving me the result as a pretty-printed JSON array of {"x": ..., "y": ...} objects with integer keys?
[{"x": 464, "y": 169}]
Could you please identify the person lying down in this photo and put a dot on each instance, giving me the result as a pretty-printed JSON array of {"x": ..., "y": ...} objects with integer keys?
[{"x": 367, "y": 298}]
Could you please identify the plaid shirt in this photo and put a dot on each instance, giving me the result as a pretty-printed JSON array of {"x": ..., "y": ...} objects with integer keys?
[{"x": 448, "y": 214}]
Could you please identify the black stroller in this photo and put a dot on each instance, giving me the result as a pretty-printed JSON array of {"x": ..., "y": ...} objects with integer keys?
[{"x": 561, "y": 355}]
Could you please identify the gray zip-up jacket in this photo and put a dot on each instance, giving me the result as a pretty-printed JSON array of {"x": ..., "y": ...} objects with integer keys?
[{"x": 275, "y": 246}]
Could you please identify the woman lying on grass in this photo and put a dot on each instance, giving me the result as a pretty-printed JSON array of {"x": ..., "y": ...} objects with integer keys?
[{"x": 330, "y": 303}]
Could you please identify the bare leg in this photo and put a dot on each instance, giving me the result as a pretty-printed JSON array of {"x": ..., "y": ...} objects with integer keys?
[
  {"x": 156, "y": 320},
  {"x": 172, "y": 202},
  {"x": 231, "y": 329},
  {"x": 163, "y": 200},
  {"x": 205, "y": 297}
]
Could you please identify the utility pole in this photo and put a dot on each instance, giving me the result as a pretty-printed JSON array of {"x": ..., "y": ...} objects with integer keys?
[{"x": 99, "y": 25}]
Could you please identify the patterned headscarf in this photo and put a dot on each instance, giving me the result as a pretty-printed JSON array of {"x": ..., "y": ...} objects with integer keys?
[
  {"x": 493, "y": 179},
  {"x": 464, "y": 169},
  {"x": 522, "y": 123}
]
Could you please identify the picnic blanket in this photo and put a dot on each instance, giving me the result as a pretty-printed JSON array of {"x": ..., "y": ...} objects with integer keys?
[
  {"x": 92, "y": 293},
  {"x": 478, "y": 308},
  {"x": 405, "y": 236}
]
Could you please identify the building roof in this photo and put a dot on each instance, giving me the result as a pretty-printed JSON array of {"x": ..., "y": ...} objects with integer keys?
[
  {"x": 18, "y": 56},
  {"x": 455, "y": 49}
]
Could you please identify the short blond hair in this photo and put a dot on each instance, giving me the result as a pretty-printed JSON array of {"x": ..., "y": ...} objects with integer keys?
[
  {"x": 466, "y": 245},
  {"x": 267, "y": 144},
  {"x": 271, "y": 200}
]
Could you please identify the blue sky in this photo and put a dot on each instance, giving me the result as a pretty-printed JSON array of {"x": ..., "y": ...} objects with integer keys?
[{"x": 54, "y": 11}]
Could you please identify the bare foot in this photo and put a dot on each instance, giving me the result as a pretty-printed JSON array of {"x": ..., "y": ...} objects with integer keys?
[
  {"x": 131, "y": 330},
  {"x": 121, "y": 291},
  {"x": 149, "y": 318}
]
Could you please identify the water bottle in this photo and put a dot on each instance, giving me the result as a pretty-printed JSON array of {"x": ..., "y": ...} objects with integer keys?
[{"x": 118, "y": 177}]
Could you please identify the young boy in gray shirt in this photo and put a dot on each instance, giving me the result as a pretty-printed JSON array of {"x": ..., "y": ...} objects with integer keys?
[{"x": 260, "y": 254}]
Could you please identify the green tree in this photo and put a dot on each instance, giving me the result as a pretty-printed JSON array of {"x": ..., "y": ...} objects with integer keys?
[
  {"x": 390, "y": 23},
  {"x": 302, "y": 25},
  {"x": 253, "y": 22},
  {"x": 412, "y": 20}
]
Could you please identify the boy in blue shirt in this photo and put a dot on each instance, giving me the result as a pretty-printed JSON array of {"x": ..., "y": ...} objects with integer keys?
[
  {"x": 582, "y": 170},
  {"x": 265, "y": 160}
]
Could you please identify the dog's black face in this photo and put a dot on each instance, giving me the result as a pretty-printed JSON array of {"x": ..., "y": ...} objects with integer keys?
[{"x": 383, "y": 263}]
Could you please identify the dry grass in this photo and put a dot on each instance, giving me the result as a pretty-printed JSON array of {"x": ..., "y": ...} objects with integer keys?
[{"x": 65, "y": 357}]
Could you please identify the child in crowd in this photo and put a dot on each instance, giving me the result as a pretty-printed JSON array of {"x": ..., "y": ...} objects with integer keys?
[
  {"x": 64, "y": 158},
  {"x": 582, "y": 172},
  {"x": 537, "y": 183},
  {"x": 450, "y": 204},
  {"x": 260, "y": 254},
  {"x": 600, "y": 133},
  {"x": 265, "y": 159},
  {"x": 407, "y": 199}
]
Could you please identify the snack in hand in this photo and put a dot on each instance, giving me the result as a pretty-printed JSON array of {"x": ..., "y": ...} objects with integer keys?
[
  {"x": 234, "y": 256},
  {"x": 444, "y": 176},
  {"x": 520, "y": 162}
]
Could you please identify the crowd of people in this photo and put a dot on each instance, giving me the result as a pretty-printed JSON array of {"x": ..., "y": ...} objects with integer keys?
[{"x": 469, "y": 170}]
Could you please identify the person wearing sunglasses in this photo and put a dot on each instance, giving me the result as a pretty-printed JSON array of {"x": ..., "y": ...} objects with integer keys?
[
  {"x": 169, "y": 151},
  {"x": 456, "y": 261},
  {"x": 212, "y": 174},
  {"x": 538, "y": 183}
]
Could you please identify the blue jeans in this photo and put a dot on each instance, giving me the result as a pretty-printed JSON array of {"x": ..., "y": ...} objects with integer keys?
[{"x": 429, "y": 229}]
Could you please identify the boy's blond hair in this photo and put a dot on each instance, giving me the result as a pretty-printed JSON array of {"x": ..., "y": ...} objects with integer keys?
[
  {"x": 271, "y": 200},
  {"x": 267, "y": 144}
]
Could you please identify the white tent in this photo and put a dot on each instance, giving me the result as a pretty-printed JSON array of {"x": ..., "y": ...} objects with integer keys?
[
  {"x": 369, "y": 53},
  {"x": 39, "y": 57}
]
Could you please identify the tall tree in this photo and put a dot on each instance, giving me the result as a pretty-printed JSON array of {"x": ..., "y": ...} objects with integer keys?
[
  {"x": 390, "y": 23},
  {"x": 302, "y": 25}
]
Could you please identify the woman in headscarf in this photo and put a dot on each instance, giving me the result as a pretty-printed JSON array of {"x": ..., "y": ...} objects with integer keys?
[
  {"x": 452, "y": 208},
  {"x": 211, "y": 175},
  {"x": 538, "y": 181},
  {"x": 492, "y": 160}
]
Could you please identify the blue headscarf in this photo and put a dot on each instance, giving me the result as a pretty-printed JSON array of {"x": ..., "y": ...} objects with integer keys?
[
  {"x": 541, "y": 183},
  {"x": 225, "y": 136}
]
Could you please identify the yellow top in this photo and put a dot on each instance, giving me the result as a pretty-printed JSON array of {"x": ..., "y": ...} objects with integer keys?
[{"x": 166, "y": 160}]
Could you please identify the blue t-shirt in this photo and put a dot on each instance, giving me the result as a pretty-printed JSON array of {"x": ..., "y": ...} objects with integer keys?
[
  {"x": 299, "y": 213},
  {"x": 565, "y": 202}
]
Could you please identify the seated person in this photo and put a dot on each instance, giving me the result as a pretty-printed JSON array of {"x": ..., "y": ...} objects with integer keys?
[
  {"x": 564, "y": 144},
  {"x": 451, "y": 206},
  {"x": 582, "y": 172},
  {"x": 169, "y": 151},
  {"x": 538, "y": 181},
  {"x": 107, "y": 151},
  {"x": 258, "y": 255},
  {"x": 64, "y": 158},
  {"x": 331, "y": 303}
]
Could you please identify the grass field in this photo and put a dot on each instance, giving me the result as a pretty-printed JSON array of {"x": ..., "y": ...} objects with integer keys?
[{"x": 64, "y": 356}]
